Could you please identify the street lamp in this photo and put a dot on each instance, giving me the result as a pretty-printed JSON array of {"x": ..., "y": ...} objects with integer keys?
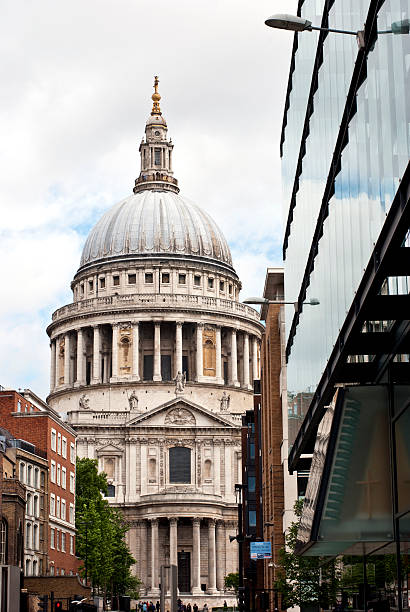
[
  {"x": 298, "y": 24},
  {"x": 264, "y": 301}
]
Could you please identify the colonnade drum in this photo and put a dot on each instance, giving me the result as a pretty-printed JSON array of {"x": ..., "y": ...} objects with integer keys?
[{"x": 153, "y": 365}]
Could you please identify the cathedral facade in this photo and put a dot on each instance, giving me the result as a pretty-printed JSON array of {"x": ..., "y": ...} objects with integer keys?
[{"x": 153, "y": 362}]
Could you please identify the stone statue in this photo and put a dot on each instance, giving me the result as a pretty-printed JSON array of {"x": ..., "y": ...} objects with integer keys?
[
  {"x": 133, "y": 401},
  {"x": 225, "y": 401},
  {"x": 180, "y": 380},
  {"x": 83, "y": 402}
]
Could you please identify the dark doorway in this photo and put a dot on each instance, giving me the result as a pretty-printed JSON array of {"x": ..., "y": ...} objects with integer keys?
[
  {"x": 226, "y": 372},
  {"x": 148, "y": 367},
  {"x": 184, "y": 572},
  {"x": 88, "y": 373},
  {"x": 185, "y": 366},
  {"x": 166, "y": 367}
]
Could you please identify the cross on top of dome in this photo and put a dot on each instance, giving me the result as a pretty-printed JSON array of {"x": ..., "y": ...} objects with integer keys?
[{"x": 156, "y": 110}]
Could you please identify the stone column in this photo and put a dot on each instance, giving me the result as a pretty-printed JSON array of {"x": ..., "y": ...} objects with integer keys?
[
  {"x": 57, "y": 366},
  {"x": 96, "y": 355},
  {"x": 144, "y": 553},
  {"x": 255, "y": 358},
  {"x": 67, "y": 351},
  {"x": 234, "y": 360},
  {"x": 154, "y": 557},
  {"x": 199, "y": 353},
  {"x": 178, "y": 348},
  {"x": 173, "y": 541},
  {"x": 211, "y": 557},
  {"x": 196, "y": 559},
  {"x": 132, "y": 470},
  {"x": 135, "y": 352},
  {"x": 52, "y": 365},
  {"x": 157, "y": 352},
  {"x": 246, "y": 361},
  {"x": 80, "y": 358},
  {"x": 217, "y": 468},
  {"x": 220, "y": 555},
  {"x": 115, "y": 351},
  {"x": 218, "y": 349}
]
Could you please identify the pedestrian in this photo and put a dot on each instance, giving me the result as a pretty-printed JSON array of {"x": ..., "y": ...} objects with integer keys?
[
  {"x": 145, "y": 607},
  {"x": 157, "y": 606},
  {"x": 195, "y": 608},
  {"x": 188, "y": 608},
  {"x": 225, "y": 605},
  {"x": 205, "y": 608}
]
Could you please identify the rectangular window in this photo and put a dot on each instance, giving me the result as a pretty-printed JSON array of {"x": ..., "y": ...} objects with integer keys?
[
  {"x": 71, "y": 545},
  {"x": 21, "y": 470},
  {"x": 58, "y": 539},
  {"x": 53, "y": 440},
  {"x": 182, "y": 279},
  {"x": 149, "y": 277},
  {"x": 63, "y": 510},
  {"x": 72, "y": 482},
  {"x": 52, "y": 505},
  {"x": 62, "y": 544},
  {"x": 82, "y": 289},
  {"x": 157, "y": 157},
  {"x": 102, "y": 283},
  {"x": 252, "y": 518},
  {"x": 42, "y": 480},
  {"x": 58, "y": 474},
  {"x": 59, "y": 444},
  {"x": 29, "y": 474},
  {"x": 71, "y": 517},
  {"x": 116, "y": 281},
  {"x": 210, "y": 283},
  {"x": 72, "y": 452},
  {"x": 58, "y": 507},
  {"x": 221, "y": 286},
  {"x": 91, "y": 285},
  {"x": 132, "y": 279},
  {"x": 41, "y": 502},
  {"x": 252, "y": 450},
  {"x": 36, "y": 478},
  {"x": 35, "y": 506},
  {"x": 197, "y": 280},
  {"x": 64, "y": 447},
  {"x": 41, "y": 532},
  {"x": 230, "y": 289},
  {"x": 63, "y": 477},
  {"x": 52, "y": 541},
  {"x": 165, "y": 278},
  {"x": 251, "y": 484},
  {"x": 53, "y": 471}
]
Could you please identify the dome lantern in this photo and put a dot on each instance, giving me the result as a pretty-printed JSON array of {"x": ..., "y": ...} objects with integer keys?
[{"x": 156, "y": 152}]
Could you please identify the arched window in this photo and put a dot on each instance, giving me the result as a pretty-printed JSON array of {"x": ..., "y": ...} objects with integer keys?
[
  {"x": 29, "y": 474},
  {"x": 152, "y": 470},
  {"x": 28, "y": 535},
  {"x": 29, "y": 509},
  {"x": 180, "y": 464},
  {"x": 110, "y": 491},
  {"x": 208, "y": 469},
  {"x": 109, "y": 467},
  {"x": 3, "y": 541},
  {"x": 28, "y": 567},
  {"x": 209, "y": 355},
  {"x": 21, "y": 472},
  {"x": 35, "y": 537}
]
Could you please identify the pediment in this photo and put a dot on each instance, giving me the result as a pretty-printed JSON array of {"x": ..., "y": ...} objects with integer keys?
[
  {"x": 181, "y": 413},
  {"x": 109, "y": 448}
]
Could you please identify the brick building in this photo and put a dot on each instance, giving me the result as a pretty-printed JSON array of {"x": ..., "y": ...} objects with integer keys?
[
  {"x": 279, "y": 489},
  {"x": 30, "y": 419},
  {"x": 12, "y": 506}
]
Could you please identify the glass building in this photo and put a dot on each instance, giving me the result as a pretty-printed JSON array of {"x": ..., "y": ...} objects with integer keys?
[{"x": 346, "y": 180}]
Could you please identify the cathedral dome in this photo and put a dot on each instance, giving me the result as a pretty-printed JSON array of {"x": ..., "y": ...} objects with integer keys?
[{"x": 152, "y": 222}]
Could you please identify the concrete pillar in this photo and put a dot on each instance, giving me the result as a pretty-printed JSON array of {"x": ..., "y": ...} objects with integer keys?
[
  {"x": 246, "y": 361},
  {"x": 199, "y": 353},
  {"x": 80, "y": 359},
  {"x": 196, "y": 560},
  {"x": 178, "y": 348},
  {"x": 135, "y": 352},
  {"x": 157, "y": 352},
  {"x": 52, "y": 365},
  {"x": 211, "y": 557},
  {"x": 218, "y": 349},
  {"x": 173, "y": 541},
  {"x": 115, "y": 351},
  {"x": 255, "y": 358},
  {"x": 96, "y": 379},
  {"x": 67, "y": 351},
  {"x": 154, "y": 557},
  {"x": 220, "y": 555},
  {"x": 234, "y": 360}
]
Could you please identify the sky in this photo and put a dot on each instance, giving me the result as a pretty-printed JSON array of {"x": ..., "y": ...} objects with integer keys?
[{"x": 76, "y": 82}]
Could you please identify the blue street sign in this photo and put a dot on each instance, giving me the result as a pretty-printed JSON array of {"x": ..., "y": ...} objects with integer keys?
[{"x": 261, "y": 550}]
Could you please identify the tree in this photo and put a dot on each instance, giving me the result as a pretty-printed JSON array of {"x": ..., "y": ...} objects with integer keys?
[
  {"x": 100, "y": 535},
  {"x": 305, "y": 580},
  {"x": 232, "y": 581}
]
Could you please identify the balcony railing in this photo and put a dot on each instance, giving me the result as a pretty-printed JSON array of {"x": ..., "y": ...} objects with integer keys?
[{"x": 146, "y": 300}]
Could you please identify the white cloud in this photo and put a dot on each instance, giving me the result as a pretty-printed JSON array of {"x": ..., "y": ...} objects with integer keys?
[{"x": 76, "y": 83}]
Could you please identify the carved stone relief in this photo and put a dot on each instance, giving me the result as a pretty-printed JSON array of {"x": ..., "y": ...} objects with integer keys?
[{"x": 179, "y": 416}]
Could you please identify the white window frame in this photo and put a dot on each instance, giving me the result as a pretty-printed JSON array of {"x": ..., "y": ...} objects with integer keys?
[
  {"x": 63, "y": 477},
  {"x": 64, "y": 447},
  {"x": 53, "y": 440},
  {"x": 71, "y": 544},
  {"x": 52, "y": 504},
  {"x": 58, "y": 507},
  {"x": 71, "y": 516},
  {"x": 63, "y": 509},
  {"x": 62, "y": 537},
  {"x": 53, "y": 471},
  {"x": 59, "y": 443},
  {"x": 72, "y": 482},
  {"x": 72, "y": 452},
  {"x": 58, "y": 474}
]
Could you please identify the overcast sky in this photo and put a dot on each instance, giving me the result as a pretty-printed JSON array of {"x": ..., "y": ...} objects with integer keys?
[{"x": 76, "y": 81}]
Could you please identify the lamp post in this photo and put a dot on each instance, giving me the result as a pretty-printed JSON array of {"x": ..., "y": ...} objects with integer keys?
[
  {"x": 264, "y": 301},
  {"x": 293, "y": 23}
]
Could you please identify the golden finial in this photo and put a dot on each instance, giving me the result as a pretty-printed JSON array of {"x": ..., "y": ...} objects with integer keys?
[{"x": 156, "y": 98}]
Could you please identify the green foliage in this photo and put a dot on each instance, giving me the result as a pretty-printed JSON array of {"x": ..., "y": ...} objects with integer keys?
[
  {"x": 100, "y": 535},
  {"x": 305, "y": 580},
  {"x": 232, "y": 581}
]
